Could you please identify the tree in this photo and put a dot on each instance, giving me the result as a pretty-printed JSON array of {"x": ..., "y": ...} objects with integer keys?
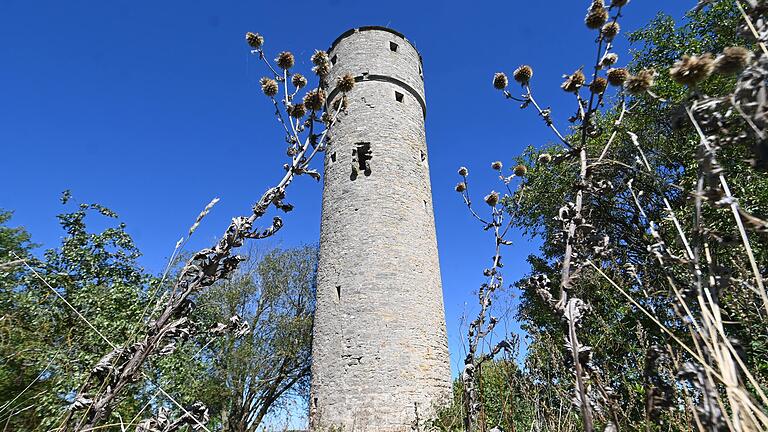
[
  {"x": 246, "y": 374},
  {"x": 46, "y": 344},
  {"x": 642, "y": 237}
]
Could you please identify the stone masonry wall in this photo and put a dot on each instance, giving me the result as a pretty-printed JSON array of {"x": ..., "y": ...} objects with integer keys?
[{"x": 380, "y": 347}]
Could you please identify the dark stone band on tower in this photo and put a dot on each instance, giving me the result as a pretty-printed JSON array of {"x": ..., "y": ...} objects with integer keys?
[{"x": 384, "y": 78}]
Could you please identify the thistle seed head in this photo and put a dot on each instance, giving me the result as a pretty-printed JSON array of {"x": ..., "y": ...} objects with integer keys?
[
  {"x": 497, "y": 165},
  {"x": 269, "y": 86},
  {"x": 298, "y": 80},
  {"x": 640, "y": 83},
  {"x": 297, "y": 111},
  {"x": 520, "y": 170},
  {"x": 523, "y": 74},
  {"x": 492, "y": 198},
  {"x": 597, "y": 15},
  {"x": 463, "y": 171},
  {"x": 461, "y": 187},
  {"x": 598, "y": 86},
  {"x": 617, "y": 76},
  {"x": 690, "y": 70},
  {"x": 574, "y": 81},
  {"x": 545, "y": 158},
  {"x": 255, "y": 40},
  {"x": 320, "y": 58},
  {"x": 321, "y": 70},
  {"x": 609, "y": 60},
  {"x": 733, "y": 60},
  {"x": 345, "y": 83},
  {"x": 610, "y": 30},
  {"x": 285, "y": 60},
  {"x": 314, "y": 99},
  {"x": 500, "y": 81}
]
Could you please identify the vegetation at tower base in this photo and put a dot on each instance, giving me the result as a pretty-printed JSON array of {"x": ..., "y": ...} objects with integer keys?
[
  {"x": 106, "y": 331},
  {"x": 47, "y": 351},
  {"x": 266, "y": 371},
  {"x": 658, "y": 201}
]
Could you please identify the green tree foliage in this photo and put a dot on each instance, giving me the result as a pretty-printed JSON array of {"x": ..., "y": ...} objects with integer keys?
[
  {"x": 242, "y": 373},
  {"x": 245, "y": 378},
  {"x": 46, "y": 346},
  {"x": 621, "y": 335}
]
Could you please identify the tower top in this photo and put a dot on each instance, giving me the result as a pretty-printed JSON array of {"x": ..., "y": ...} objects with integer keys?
[
  {"x": 376, "y": 53},
  {"x": 352, "y": 31}
]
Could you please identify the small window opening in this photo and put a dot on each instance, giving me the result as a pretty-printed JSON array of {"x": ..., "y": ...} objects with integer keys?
[
  {"x": 338, "y": 292},
  {"x": 399, "y": 97},
  {"x": 333, "y": 157},
  {"x": 393, "y": 47},
  {"x": 423, "y": 156},
  {"x": 361, "y": 158},
  {"x": 425, "y": 204},
  {"x": 333, "y": 59},
  {"x": 314, "y": 402},
  {"x": 421, "y": 74}
]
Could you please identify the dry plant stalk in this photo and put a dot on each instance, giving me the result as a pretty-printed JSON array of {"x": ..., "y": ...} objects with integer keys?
[
  {"x": 306, "y": 127},
  {"x": 713, "y": 369}
]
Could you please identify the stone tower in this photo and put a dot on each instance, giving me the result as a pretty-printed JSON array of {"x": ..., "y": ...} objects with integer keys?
[{"x": 380, "y": 348}]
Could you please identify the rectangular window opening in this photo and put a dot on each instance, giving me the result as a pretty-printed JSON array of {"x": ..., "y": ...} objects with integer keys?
[
  {"x": 361, "y": 158},
  {"x": 333, "y": 60},
  {"x": 423, "y": 156},
  {"x": 338, "y": 292},
  {"x": 399, "y": 97},
  {"x": 333, "y": 157},
  {"x": 393, "y": 47}
]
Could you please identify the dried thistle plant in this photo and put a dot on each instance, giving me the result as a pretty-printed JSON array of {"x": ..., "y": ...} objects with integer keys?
[
  {"x": 305, "y": 126},
  {"x": 716, "y": 385}
]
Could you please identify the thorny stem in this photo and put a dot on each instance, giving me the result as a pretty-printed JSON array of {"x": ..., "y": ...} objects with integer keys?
[
  {"x": 190, "y": 279},
  {"x": 734, "y": 205},
  {"x": 546, "y": 115}
]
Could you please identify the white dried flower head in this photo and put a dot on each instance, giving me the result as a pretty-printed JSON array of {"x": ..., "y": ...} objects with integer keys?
[
  {"x": 523, "y": 74},
  {"x": 690, "y": 70},
  {"x": 733, "y": 60},
  {"x": 520, "y": 170},
  {"x": 269, "y": 86},
  {"x": 255, "y": 40},
  {"x": 574, "y": 81},
  {"x": 545, "y": 158},
  {"x": 463, "y": 171},
  {"x": 610, "y": 30},
  {"x": 497, "y": 165},
  {"x": 492, "y": 198},
  {"x": 597, "y": 15},
  {"x": 461, "y": 187},
  {"x": 285, "y": 60},
  {"x": 298, "y": 80},
  {"x": 609, "y": 60},
  {"x": 500, "y": 81}
]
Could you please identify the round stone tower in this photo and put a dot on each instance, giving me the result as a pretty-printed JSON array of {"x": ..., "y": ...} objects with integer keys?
[{"x": 380, "y": 351}]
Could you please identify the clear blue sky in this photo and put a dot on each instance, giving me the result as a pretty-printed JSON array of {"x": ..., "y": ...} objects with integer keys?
[{"x": 153, "y": 109}]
